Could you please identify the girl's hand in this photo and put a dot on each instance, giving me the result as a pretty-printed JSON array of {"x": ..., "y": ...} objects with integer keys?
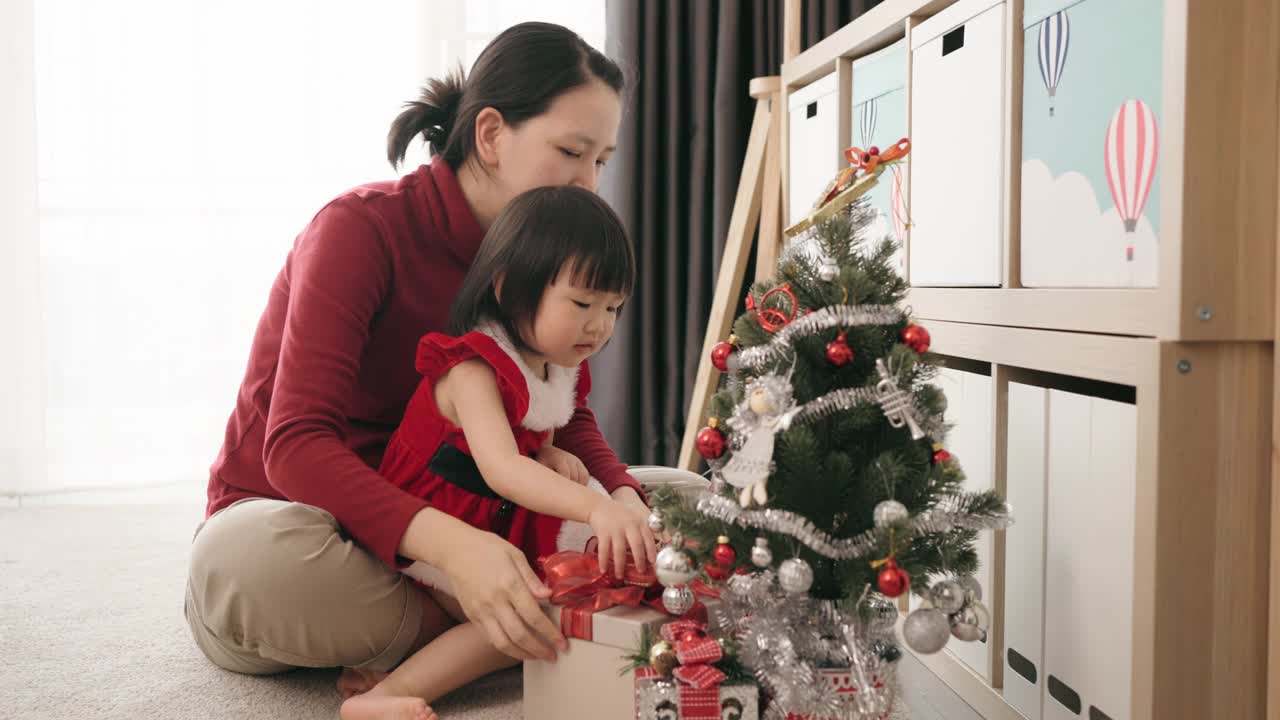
[
  {"x": 619, "y": 527},
  {"x": 564, "y": 463}
]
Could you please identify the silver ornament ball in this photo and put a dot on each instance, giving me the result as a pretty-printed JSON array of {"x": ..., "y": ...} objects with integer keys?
[
  {"x": 761, "y": 556},
  {"x": 674, "y": 567},
  {"x": 926, "y": 630},
  {"x": 882, "y": 614},
  {"x": 964, "y": 625},
  {"x": 972, "y": 588},
  {"x": 889, "y": 513},
  {"x": 827, "y": 271},
  {"x": 947, "y": 595},
  {"x": 655, "y": 520},
  {"x": 795, "y": 576},
  {"x": 677, "y": 600},
  {"x": 971, "y": 623}
]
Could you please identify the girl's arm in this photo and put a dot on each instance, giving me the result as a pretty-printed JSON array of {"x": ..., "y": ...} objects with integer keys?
[{"x": 468, "y": 395}]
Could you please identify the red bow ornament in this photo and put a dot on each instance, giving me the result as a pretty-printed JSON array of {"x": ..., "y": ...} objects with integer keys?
[
  {"x": 577, "y": 584},
  {"x": 863, "y": 163}
]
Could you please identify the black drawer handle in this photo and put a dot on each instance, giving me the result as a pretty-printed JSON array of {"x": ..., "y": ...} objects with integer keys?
[
  {"x": 1060, "y": 691},
  {"x": 1022, "y": 666}
]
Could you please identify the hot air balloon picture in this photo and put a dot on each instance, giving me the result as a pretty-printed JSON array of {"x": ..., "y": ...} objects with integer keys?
[
  {"x": 1132, "y": 146},
  {"x": 1055, "y": 38},
  {"x": 867, "y": 122}
]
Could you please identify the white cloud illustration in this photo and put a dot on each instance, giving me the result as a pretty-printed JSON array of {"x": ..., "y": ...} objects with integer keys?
[{"x": 1068, "y": 242}]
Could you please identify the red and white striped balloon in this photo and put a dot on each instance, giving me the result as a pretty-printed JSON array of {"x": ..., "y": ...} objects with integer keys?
[
  {"x": 898, "y": 205},
  {"x": 1132, "y": 146}
]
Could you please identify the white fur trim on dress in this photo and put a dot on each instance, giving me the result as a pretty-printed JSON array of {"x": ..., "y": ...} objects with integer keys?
[
  {"x": 573, "y": 534},
  {"x": 551, "y": 401}
]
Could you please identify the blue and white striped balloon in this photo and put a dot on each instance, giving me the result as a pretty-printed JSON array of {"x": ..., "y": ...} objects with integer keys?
[
  {"x": 867, "y": 127},
  {"x": 1055, "y": 37}
]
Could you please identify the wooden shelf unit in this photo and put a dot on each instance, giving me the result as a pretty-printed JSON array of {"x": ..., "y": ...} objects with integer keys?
[
  {"x": 1217, "y": 207},
  {"x": 1197, "y": 351}
]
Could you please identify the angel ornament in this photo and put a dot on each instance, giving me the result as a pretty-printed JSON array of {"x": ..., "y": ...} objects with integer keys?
[{"x": 766, "y": 411}]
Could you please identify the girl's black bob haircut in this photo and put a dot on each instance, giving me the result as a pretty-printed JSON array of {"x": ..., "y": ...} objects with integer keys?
[{"x": 539, "y": 233}]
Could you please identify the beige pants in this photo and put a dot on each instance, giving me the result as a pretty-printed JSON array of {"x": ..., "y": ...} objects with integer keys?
[{"x": 275, "y": 585}]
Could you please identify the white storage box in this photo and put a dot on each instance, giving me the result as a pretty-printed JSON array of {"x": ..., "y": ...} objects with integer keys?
[
  {"x": 815, "y": 151},
  {"x": 957, "y": 151}
]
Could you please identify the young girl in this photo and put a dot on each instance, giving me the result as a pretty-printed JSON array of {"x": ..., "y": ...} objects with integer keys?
[{"x": 476, "y": 440}]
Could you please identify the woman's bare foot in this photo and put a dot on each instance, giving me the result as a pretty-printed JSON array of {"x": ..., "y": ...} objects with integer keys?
[
  {"x": 354, "y": 681},
  {"x": 385, "y": 707}
]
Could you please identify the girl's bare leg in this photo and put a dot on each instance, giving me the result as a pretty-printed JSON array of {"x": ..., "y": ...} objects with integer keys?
[
  {"x": 458, "y": 656},
  {"x": 435, "y": 621}
]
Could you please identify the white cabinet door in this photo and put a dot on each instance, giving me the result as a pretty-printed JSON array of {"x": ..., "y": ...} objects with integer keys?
[
  {"x": 1024, "y": 549},
  {"x": 957, "y": 148},
  {"x": 970, "y": 407},
  {"x": 1088, "y": 609},
  {"x": 814, "y": 148}
]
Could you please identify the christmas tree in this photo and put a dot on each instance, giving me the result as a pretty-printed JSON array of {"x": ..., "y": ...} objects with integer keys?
[{"x": 832, "y": 489}]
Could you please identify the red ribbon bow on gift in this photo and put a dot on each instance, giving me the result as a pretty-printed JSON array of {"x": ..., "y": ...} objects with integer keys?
[
  {"x": 866, "y": 162},
  {"x": 696, "y": 654},
  {"x": 577, "y": 583}
]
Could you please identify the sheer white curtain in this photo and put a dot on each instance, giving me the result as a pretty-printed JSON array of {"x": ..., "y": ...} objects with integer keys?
[{"x": 157, "y": 164}]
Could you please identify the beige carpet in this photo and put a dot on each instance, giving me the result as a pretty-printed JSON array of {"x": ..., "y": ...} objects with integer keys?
[{"x": 91, "y": 626}]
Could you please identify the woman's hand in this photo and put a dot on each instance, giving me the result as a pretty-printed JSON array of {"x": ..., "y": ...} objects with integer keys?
[
  {"x": 492, "y": 581},
  {"x": 619, "y": 526},
  {"x": 564, "y": 463}
]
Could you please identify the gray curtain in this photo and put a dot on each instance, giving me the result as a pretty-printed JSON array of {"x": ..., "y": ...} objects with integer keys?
[{"x": 684, "y": 132}]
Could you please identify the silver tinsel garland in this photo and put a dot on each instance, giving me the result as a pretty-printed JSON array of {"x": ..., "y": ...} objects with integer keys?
[
  {"x": 898, "y": 407},
  {"x": 787, "y": 641},
  {"x": 952, "y": 512},
  {"x": 832, "y": 316}
]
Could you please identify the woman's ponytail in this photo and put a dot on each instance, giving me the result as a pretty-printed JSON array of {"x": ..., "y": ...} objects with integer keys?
[{"x": 432, "y": 115}]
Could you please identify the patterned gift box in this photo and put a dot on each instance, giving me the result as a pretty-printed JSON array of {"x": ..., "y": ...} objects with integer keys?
[
  {"x": 842, "y": 680},
  {"x": 658, "y": 699}
]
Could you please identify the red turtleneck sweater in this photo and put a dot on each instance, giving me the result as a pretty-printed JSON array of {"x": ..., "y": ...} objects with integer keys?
[{"x": 331, "y": 367}]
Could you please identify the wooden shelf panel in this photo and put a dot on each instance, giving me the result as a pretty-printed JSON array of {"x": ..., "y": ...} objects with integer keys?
[{"x": 1106, "y": 311}]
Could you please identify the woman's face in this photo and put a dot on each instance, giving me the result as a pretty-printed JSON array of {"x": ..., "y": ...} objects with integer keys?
[{"x": 568, "y": 144}]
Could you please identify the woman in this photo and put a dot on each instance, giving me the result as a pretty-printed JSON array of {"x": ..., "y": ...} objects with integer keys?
[{"x": 296, "y": 563}]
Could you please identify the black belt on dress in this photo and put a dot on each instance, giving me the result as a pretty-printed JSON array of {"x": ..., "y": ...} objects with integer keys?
[{"x": 459, "y": 468}]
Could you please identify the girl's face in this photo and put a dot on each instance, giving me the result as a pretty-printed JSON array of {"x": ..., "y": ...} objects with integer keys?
[
  {"x": 573, "y": 322},
  {"x": 568, "y": 144}
]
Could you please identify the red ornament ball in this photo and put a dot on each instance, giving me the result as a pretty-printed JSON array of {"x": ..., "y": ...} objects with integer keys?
[
  {"x": 715, "y": 572},
  {"x": 711, "y": 443},
  {"x": 720, "y": 355},
  {"x": 724, "y": 554},
  {"x": 917, "y": 338},
  {"x": 941, "y": 457},
  {"x": 873, "y": 151},
  {"x": 892, "y": 580},
  {"x": 838, "y": 351}
]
